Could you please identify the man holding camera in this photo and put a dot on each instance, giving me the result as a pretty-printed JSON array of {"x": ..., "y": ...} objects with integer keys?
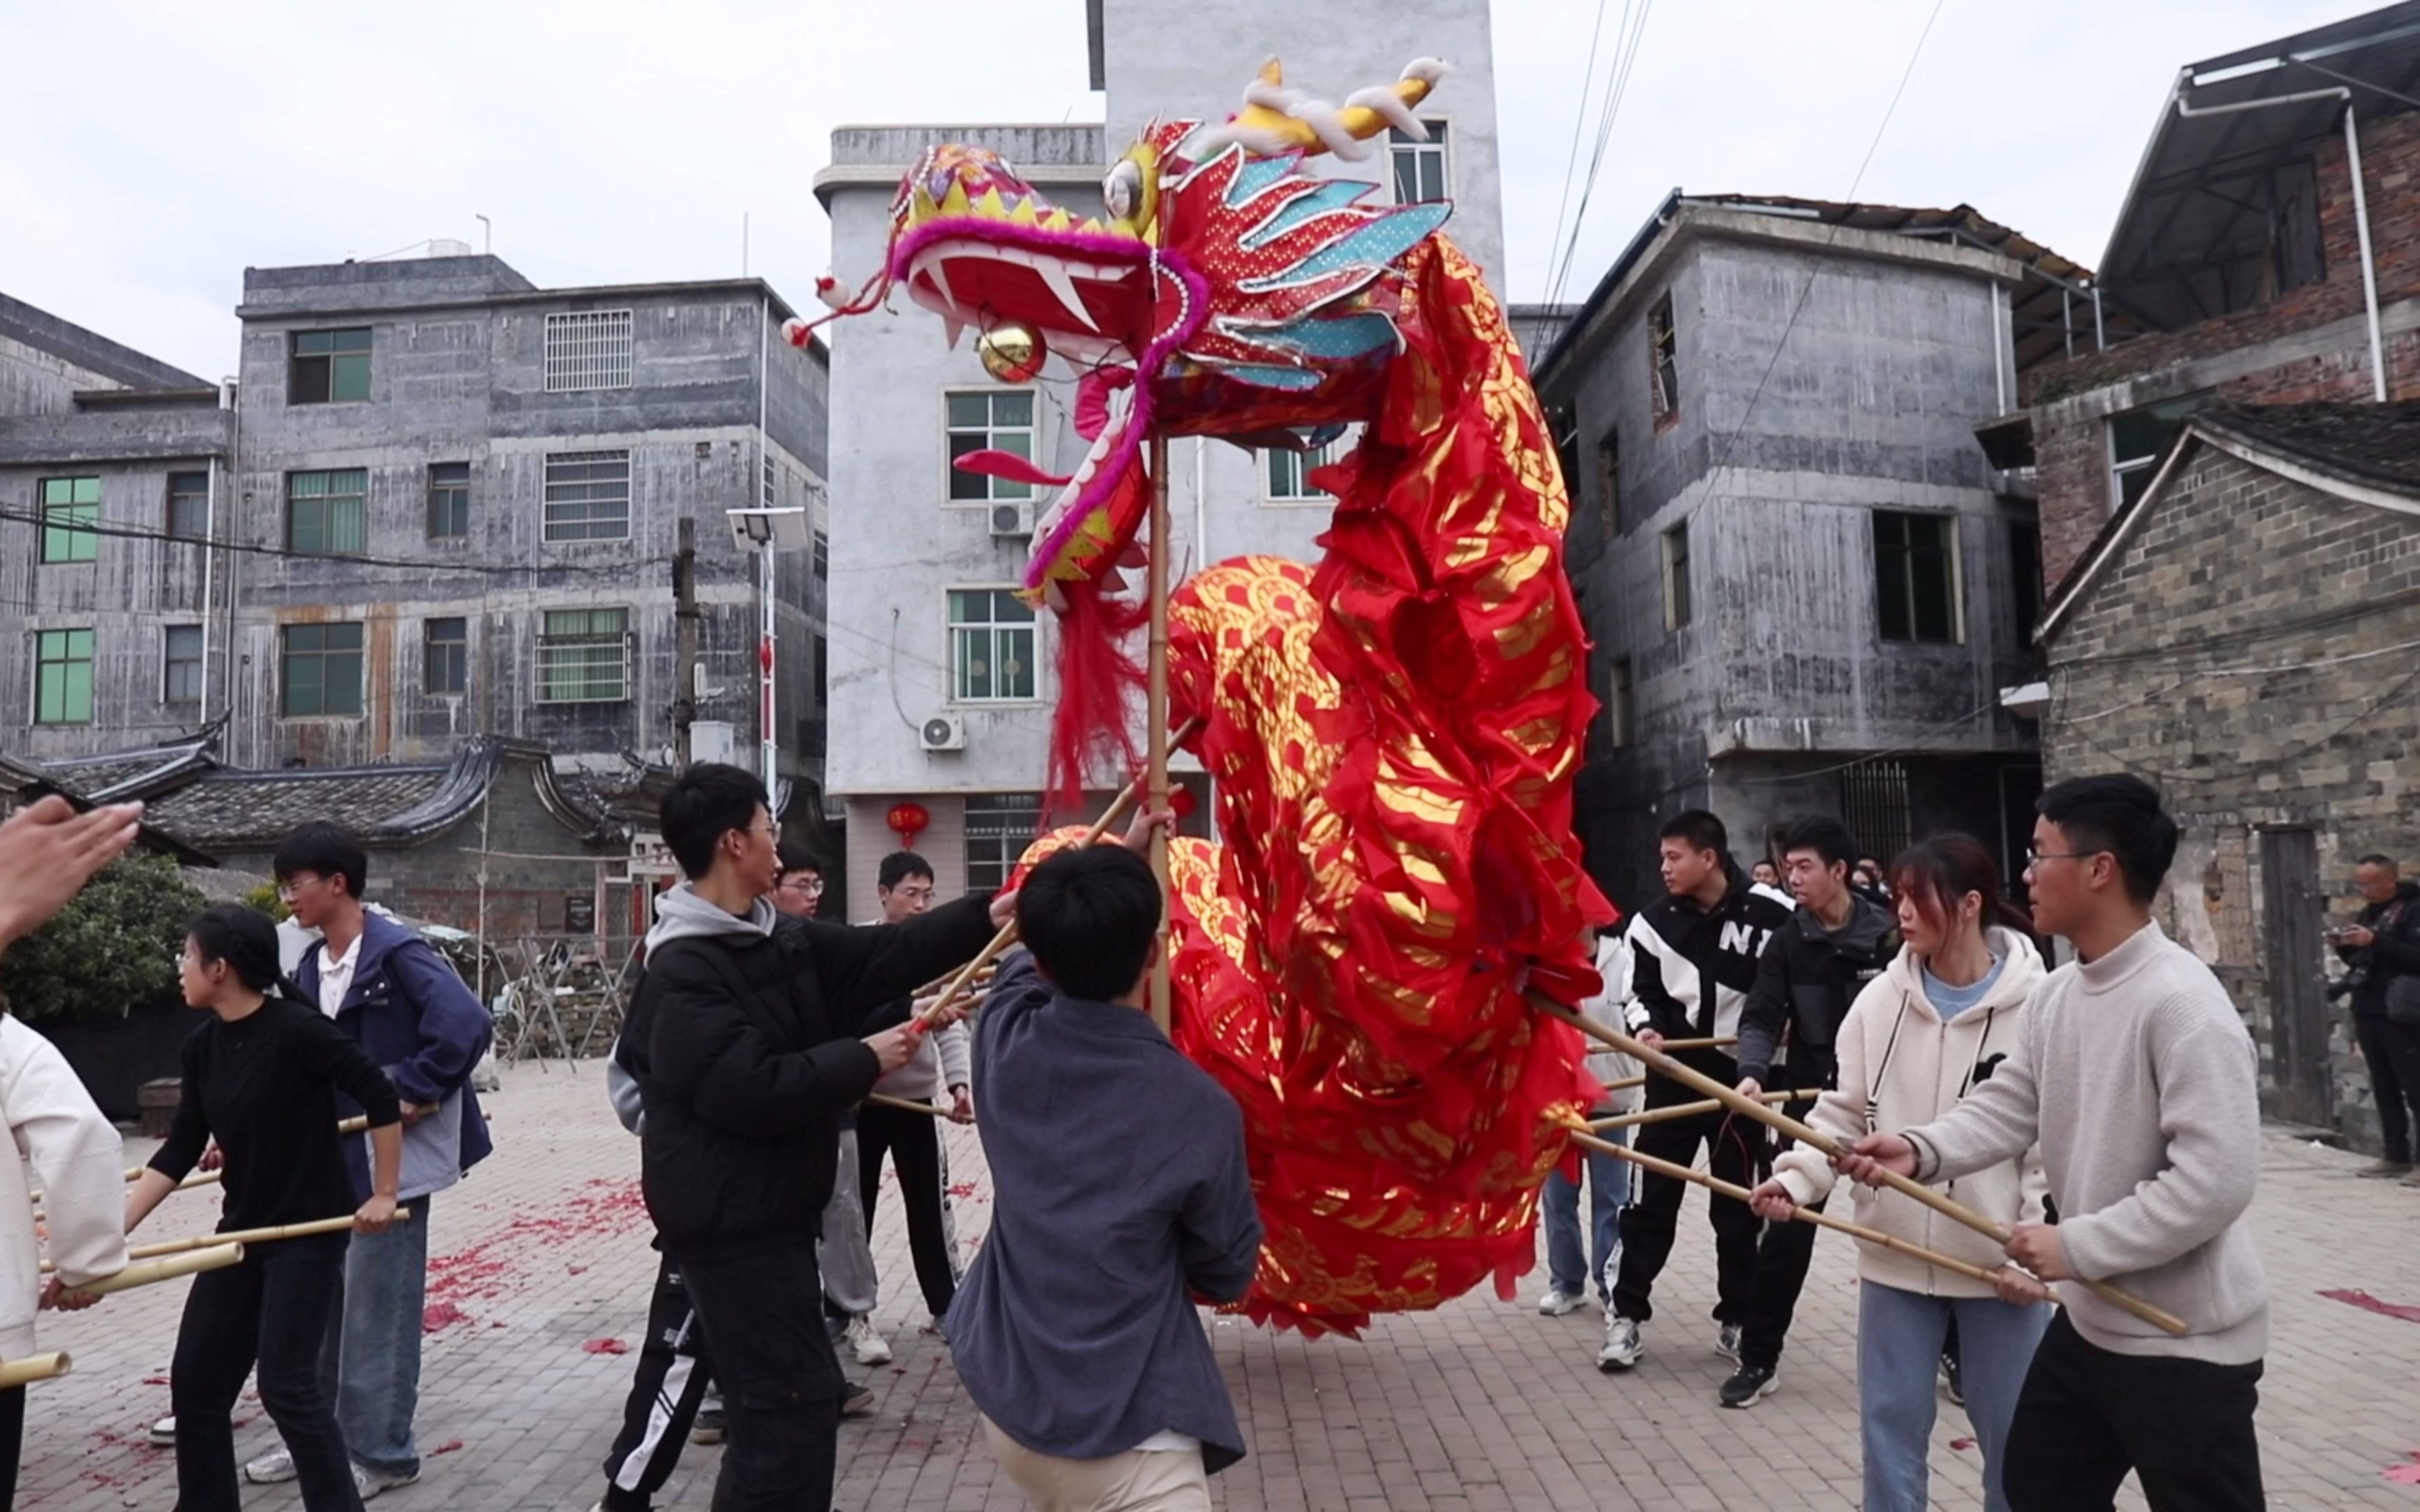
[{"x": 2381, "y": 954}]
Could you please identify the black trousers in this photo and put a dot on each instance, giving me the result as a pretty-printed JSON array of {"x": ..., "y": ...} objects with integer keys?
[
  {"x": 1649, "y": 1222},
  {"x": 12, "y": 1442},
  {"x": 273, "y": 1308},
  {"x": 763, "y": 1318},
  {"x": 2392, "y": 1053},
  {"x": 673, "y": 1373},
  {"x": 2088, "y": 1416},
  {"x": 1785, "y": 1249},
  {"x": 913, "y": 1142}
]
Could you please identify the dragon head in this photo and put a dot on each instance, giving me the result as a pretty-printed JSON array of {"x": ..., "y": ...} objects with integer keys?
[{"x": 1225, "y": 291}]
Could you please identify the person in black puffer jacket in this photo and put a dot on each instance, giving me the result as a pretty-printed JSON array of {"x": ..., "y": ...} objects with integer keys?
[{"x": 744, "y": 1039}]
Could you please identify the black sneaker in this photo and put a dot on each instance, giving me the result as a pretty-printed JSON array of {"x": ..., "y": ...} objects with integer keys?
[
  {"x": 1749, "y": 1384},
  {"x": 856, "y": 1399},
  {"x": 1953, "y": 1380},
  {"x": 708, "y": 1426}
]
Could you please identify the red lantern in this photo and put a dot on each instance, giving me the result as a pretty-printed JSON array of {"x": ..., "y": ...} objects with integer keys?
[
  {"x": 909, "y": 820},
  {"x": 1180, "y": 798}
]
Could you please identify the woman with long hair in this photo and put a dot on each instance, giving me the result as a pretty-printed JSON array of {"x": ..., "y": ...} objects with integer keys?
[
  {"x": 260, "y": 1077},
  {"x": 1920, "y": 1038}
]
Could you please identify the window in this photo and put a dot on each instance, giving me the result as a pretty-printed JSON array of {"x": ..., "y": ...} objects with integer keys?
[
  {"x": 1000, "y": 825},
  {"x": 583, "y": 657},
  {"x": 1290, "y": 473},
  {"x": 997, "y": 421},
  {"x": 1419, "y": 166},
  {"x": 449, "y": 500},
  {"x": 1609, "y": 482},
  {"x": 1676, "y": 576},
  {"x": 1618, "y": 711},
  {"x": 322, "y": 671},
  {"x": 445, "y": 656},
  {"x": 1564, "y": 424},
  {"x": 180, "y": 665},
  {"x": 328, "y": 513},
  {"x": 189, "y": 506},
  {"x": 69, "y": 503},
  {"x": 1662, "y": 359},
  {"x": 2138, "y": 439},
  {"x": 1915, "y": 576},
  {"x": 772, "y": 485},
  {"x": 589, "y": 496},
  {"x": 329, "y": 366},
  {"x": 586, "y": 350},
  {"x": 822, "y": 558},
  {"x": 823, "y": 671},
  {"x": 63, "y": 677},
  {"x": 991, "y": 646},
  {"x": 2025, "y": 576}
]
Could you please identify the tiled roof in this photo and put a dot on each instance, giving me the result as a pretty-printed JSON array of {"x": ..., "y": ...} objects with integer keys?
[
  {"x": 127, "y": 774},
  {"x": 2373, "y": 444}
]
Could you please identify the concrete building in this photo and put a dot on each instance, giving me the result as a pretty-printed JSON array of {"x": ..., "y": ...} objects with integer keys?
[
  {"x": 1804, "y": 582},
  {"x": 909, "y": 552},
  {"x": 2241, "y": 634},
  {"x": 444, "y": 504}
]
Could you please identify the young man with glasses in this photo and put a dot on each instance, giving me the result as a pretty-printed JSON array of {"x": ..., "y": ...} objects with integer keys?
[{"x": 2135, "y": 1073}]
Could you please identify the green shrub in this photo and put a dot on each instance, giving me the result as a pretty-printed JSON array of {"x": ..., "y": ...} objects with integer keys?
[
  {"x": 265, "y": 898},
  {"x": 113, "y": 949}
]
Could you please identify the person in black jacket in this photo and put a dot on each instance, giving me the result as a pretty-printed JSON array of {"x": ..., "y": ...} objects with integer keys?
[
  {"x": 2382, "y": 945},
  {"x": 1837, "y": 941},
  {"x": 1694, "y": 956},
  {"x": 749, "y": 1033}
]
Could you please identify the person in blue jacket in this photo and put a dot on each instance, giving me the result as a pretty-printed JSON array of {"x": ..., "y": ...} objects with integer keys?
[{"x": 391, "y": 990}]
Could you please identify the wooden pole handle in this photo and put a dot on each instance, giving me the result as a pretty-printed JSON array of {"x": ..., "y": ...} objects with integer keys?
[
  {"x": 144, "y": 1273},
  {"x": 1804, "y": 1214},
  {"x": 34, "y": 1368},
  {"x": 1664, "y": 1065},
  {"x": 244, "y": 1236},
  {"x": 905, "y": 1105},
  {"x": 1689, "y": 1110}
]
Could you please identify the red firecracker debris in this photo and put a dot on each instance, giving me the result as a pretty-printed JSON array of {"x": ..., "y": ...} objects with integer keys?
[
  {"x": 447, "y": 1447},
  {"x": 606, "y": 1346},
  {"x": 1962, "y": 1445},
  {"x": 439, "y": 1315},
  {"x": 2367, "y": 1302}
]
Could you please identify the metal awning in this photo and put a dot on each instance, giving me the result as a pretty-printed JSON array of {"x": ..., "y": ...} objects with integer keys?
[{"x": 2195, "y": 237}]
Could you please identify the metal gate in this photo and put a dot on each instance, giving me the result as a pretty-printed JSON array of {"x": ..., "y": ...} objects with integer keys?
[
  {"x": 2290, "y": 898},
  {"x": 1874, "y": 804}
]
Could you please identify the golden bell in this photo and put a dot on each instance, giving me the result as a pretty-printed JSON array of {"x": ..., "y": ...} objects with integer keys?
[{"x": 1012, "y": 351}]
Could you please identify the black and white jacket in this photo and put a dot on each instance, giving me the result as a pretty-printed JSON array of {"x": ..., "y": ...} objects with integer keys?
[{"x": 1692, "y": 967}]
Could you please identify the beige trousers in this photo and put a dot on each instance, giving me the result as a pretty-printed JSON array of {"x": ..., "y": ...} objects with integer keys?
[{"x": 1139, "y": 1480}]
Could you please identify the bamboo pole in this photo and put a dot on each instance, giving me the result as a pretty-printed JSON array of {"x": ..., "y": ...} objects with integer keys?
[
  {"x": 34, "y": 1368},
  {"x": 245, "y": 1236},
  {"x": 1717, "y": 1043},
  {"x": 1804, "y": 1214},
  {"x": 955, "y": 987},
  {"x": 1690, "y": 1110},
  {"x": 1664, "y": 1065},
  {"x": 204, "y": 1178},
  {"x": 1155, "y": 718},
  {"x": 905, "y": 1105},
  {"x": 144, "y": 1273}
]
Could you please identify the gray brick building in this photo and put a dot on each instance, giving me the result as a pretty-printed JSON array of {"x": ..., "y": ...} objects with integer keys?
[{"x": 2247, "y": 635}]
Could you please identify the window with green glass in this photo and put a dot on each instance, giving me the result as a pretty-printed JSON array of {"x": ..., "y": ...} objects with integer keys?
[
  {"x": 322, "y": 671},
  {"x": 327, "y": 514},
  {"x": 63, "y": 677},
  {"x": 991, "y": 646},
  {"x": 989, "y": 422},
  {"x": 70, "y": 509},
  {"x": 329, "y": 366},
  {"x": 583, "y": 656}
]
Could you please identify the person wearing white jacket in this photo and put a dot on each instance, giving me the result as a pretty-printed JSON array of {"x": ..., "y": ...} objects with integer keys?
[
  {"x": 1919, "y": 1038},
  {"x": 1573, "y": 1262}
]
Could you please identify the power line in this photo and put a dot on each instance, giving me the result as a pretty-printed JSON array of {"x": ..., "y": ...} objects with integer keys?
[
  {"x": 1571, "y": 161},
  {"x": 130, "y": 533},
  {"x": 1618, "y": 89}
]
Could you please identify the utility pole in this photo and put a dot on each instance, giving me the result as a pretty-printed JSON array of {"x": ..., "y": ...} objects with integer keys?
[{"x": 685, "y": 622}]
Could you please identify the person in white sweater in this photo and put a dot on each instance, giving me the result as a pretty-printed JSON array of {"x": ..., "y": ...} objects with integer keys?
[
  {"x": 1940, "y": 1021},
  {"x": 2139, "y": 1080},
  {"x": 48, "y": 851}
]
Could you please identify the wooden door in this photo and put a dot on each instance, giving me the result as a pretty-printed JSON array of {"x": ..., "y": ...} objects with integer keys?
[{"x": 2289, "y": 883}]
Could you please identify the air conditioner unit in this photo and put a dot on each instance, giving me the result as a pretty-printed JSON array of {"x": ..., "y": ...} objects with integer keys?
[
  {"x": 944, "y": 731},
  {"x": 1012, "y": 521}
]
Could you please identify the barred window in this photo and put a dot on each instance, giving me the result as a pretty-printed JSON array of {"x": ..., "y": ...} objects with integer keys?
[
  {"x": 328, "y": 513},
  {"x": 583, "y": 657},
  {"x": 589, "y": 496},
  {"x": 1000, "y": 825},
  {"x": 587, "y": 349}
]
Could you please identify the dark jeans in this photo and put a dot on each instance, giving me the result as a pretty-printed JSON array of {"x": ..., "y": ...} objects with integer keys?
[
  {"x": 2088, "y": 1416},
  {"x": 1783, "y": 1253},
  {"x": 2392, "y": 1053},
  {"x": 763, "y": 1318},
  {"x": 913, "y": 1142},
  {"x": 673, "y": 1373},
  {"x": 12, "y": 1440},
  {"x": 1648, "y": 1223},
  {"x": 272, "y": 1307}
]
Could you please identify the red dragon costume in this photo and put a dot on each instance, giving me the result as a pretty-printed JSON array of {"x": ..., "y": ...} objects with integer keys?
[{"x": 1393, "y": 734}]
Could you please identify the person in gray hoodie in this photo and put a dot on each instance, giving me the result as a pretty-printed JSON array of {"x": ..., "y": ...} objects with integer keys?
[{"x": 2135, "y": 1073}]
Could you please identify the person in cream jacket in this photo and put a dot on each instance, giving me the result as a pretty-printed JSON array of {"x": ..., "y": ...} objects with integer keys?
[{"x": 1920, "y": 1038}]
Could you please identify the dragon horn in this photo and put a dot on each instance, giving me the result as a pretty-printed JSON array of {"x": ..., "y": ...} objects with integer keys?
[{"x": 1270, "y": 111}]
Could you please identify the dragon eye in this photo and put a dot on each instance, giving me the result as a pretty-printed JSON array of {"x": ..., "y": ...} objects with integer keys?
[{"x": 1122, "y": 190}]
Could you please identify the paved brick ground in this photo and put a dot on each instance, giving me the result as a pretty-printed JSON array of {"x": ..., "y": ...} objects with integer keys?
[{"x": 1481, "y": 1405}]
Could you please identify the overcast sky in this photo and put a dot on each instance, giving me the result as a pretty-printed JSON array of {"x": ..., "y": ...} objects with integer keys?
[{"x": 154, "y": 149}]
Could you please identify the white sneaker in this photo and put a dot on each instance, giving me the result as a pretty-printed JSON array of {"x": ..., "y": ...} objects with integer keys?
[
  {"x": 866, "y": 1343},
  {"x": 270, "y": 1469},
  {"x": 370, "y": 1482},
  {"x": 1558, "y": 1303},
  {"x": 165, "y": 1431},
  {"x": 1623, "y": 1347}
]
